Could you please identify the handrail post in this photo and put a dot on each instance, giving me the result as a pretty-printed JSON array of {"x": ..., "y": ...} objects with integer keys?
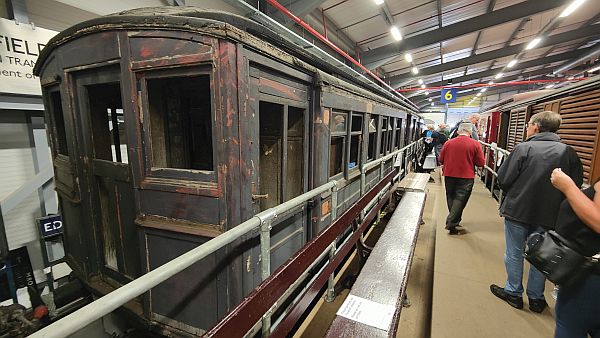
[
  {"x": 363, "y": 178},
  {"x": 266, "y": 224},
  {"x": 331, "y": 283},
  {"x": 495, "y": 171},
  {"x": 485, "y": 170}
]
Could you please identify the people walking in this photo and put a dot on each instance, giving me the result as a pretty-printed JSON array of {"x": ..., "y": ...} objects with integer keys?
[
  {"x": 531, "y": 203},
  {"x": 459, "y": 157}
]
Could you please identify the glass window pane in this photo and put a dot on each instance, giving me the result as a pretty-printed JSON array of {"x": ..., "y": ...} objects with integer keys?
[{"x": 339, "y": 122}]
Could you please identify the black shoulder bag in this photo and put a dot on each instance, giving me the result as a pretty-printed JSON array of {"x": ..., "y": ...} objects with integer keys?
[{"x": 551, "y": 254}]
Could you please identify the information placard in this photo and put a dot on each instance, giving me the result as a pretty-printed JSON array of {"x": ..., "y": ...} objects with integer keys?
[{"x": 20, "y": 46}]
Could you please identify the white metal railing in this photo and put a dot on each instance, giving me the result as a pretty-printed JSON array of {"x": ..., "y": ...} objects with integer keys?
[
  {"x": 497, "y": 155},
  {"x": 263, "y": 221}
]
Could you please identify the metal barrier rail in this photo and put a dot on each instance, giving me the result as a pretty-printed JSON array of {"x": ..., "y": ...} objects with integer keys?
[
  {"x": 263, "y": 221},
  {"x": 496, "y": 151}
]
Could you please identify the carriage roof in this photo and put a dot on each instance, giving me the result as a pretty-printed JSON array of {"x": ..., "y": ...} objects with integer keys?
[{"x": 219, "y": 24}]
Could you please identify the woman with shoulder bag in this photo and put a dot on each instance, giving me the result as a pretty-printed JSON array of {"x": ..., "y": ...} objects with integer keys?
[{"x": 578, "y": 305}]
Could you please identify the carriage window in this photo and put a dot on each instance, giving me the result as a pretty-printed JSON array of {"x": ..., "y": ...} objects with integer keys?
[
  {"x": 180, "y": 122},
  {"x": 384, "y": 135},
  {"x": 59, "y": 123},
  {"x": 372, "y": 137},
  {"x": 294, "y": 178},
  {"x": 355, "y": 141},
  {"x": 390, "y": 135},
  {"x": 339, "y": 130},
  {"x": 398, "y": 133},
  {"x": 108, "y": 132},
  {"x": 281, "y": 157}
]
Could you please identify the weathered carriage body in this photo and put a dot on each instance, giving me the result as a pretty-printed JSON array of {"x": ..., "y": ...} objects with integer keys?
[{"x": 171, "y": 126}]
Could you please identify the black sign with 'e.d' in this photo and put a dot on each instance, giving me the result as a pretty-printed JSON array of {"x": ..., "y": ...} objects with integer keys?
[{"x": 50, "y": 225}]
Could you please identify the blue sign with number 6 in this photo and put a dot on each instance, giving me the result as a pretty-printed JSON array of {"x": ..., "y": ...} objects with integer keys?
[{"x": 448, "y": 95}]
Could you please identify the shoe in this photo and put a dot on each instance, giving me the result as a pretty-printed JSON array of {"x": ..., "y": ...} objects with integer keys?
[
  {"x": 452, "y": 231},
  {"x": 514, "y": 301},
  {"x": 448, "y": 226},
  {"x": 537, "y": 305}
]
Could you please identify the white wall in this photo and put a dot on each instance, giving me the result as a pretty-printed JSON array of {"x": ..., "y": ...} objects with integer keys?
[
  {"x": 437, "y": 118},
  {"x": 16, "y": 168},
  {"x": 455, "y": 115}
]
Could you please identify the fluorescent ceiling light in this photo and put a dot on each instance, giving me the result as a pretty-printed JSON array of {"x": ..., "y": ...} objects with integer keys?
[
  {"x": 499, "y": 75},
  {"x": 571, "y": 8},
  {"x": 594, "y": 69},
  {"x": 533, "y": 43},
  {"x": 512, "y": 63},
  {"x": 420, "y": 81},
  {"x": 408, "y": 57},
  {"x": 396, "y": 33},
  {"x": 415, "y": 70},
  {"x": 379, "y": 2},
  {"x": 423, "y": 86}
]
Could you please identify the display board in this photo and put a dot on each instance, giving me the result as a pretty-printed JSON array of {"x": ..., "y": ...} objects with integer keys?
[{"x": 20, "y": 46}]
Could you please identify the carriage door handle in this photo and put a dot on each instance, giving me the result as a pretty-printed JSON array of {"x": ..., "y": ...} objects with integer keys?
[{"x": 255, "y": 195}]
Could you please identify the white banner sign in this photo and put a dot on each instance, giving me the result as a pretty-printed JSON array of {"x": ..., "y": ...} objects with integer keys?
[{"x": 20, "y": 46}]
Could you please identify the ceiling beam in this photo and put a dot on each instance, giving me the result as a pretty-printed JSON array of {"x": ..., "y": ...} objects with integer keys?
[
  {"x": 385, "y": 13},
  {"x": 491, "y": 91},
  {"x": 300, "y": 8},
  {"x": 378, "y": 56},
  {"x": 490, "y": 9},
  {"x": 404, "y": 78}
]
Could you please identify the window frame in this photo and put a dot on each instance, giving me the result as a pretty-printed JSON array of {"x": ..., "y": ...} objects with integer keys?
[
  {"x": 354, "y": 133},
  {"x": 49, "y": 91},
  {"x": 344, "y": 135},
  {"x": 375, "y": 137},
  {"x": 152, "y": 172}
]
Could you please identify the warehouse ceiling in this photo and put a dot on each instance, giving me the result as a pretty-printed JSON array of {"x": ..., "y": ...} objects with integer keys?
[{"x": 462, "y": 42}]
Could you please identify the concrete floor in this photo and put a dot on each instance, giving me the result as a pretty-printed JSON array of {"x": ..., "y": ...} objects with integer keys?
[
  {"x": 465, "y": 266},
  {"x": 449, "y": 280}
]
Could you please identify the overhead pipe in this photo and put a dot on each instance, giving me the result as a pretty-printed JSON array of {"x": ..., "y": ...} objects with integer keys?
[
  {"x": 475, "y": 85},
  {"x": 330, "y": 44},
  {"x": 594, "y": 52}
]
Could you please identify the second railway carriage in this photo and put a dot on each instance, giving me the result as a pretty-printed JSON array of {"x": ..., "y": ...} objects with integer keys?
[
  {"x": 170, "y": 126},
  {"x": 579, "y": 106}
]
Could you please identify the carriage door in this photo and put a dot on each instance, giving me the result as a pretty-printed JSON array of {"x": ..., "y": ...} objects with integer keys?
[
  {"x": 281, "y": 150},
  {"x": 98, "y": 95}
]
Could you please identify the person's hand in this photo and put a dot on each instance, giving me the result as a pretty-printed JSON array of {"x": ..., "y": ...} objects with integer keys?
[{"x": 560, "y": 180}]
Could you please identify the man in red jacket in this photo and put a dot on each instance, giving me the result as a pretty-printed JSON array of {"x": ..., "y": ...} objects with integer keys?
[{"x": 459, "y": 156}]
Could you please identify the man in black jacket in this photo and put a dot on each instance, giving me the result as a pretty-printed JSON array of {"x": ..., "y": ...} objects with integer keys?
[{"x": 531, "y": 203}]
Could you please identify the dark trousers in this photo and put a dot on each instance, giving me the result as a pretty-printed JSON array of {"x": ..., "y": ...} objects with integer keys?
[
  {"x": 578, "y": 309},
  {"x": 458, "y": 191}
]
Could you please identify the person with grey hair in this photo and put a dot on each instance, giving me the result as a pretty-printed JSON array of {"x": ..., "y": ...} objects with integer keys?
[
  {"x": 531, "y": 203},
  {"x": 473, "y": 120},
  {"x": 459, "y": 156}
]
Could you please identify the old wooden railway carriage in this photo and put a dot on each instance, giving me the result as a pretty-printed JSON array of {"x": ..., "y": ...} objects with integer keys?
[
  {"x": 579, "y": 106},
  {"x": 170, "y": 126}
]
